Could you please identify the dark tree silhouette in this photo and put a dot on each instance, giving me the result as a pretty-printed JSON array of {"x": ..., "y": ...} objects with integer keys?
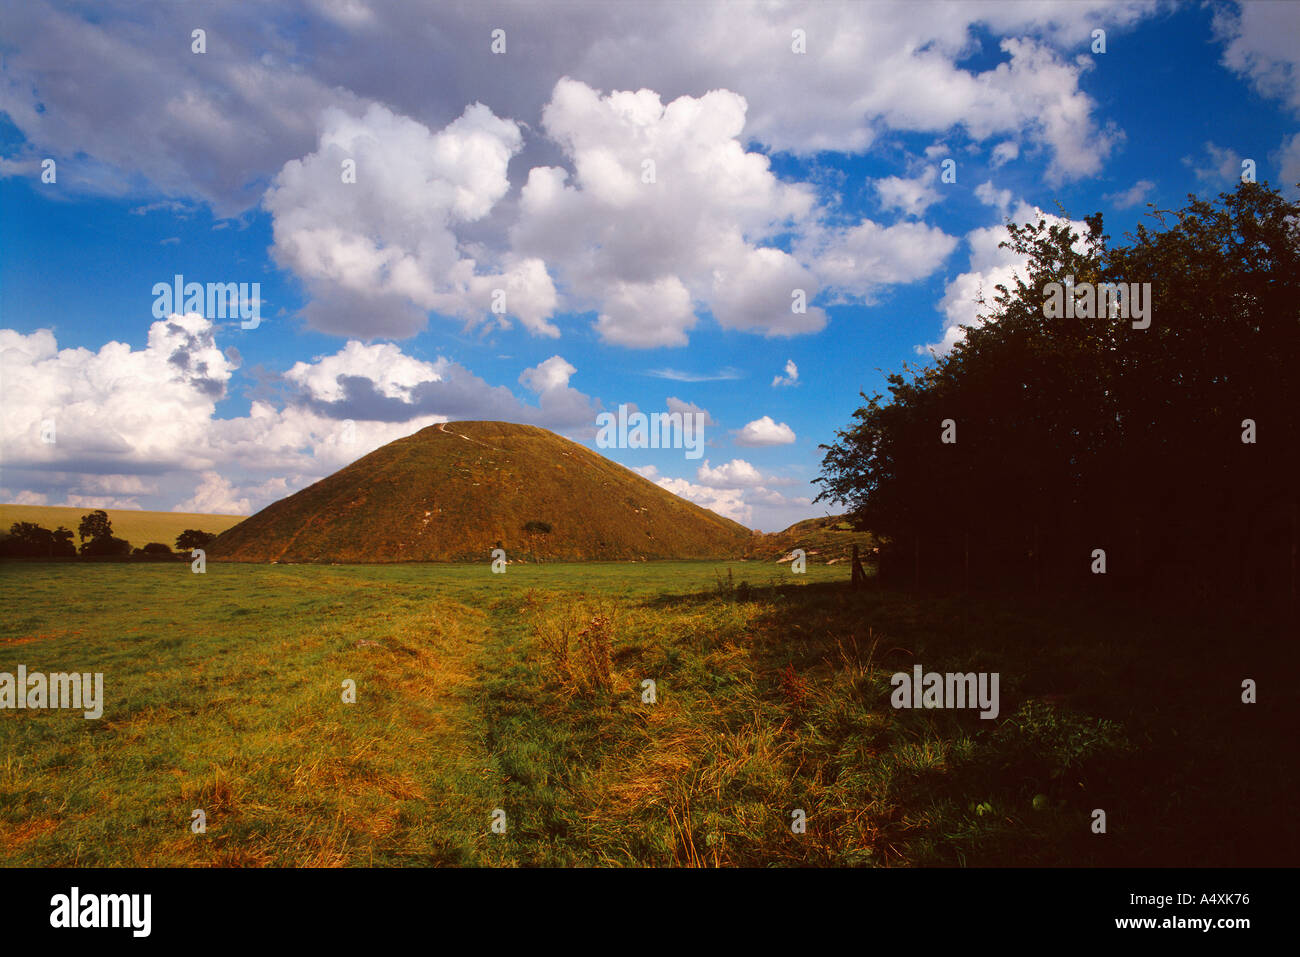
[
  {"x": 193, "y": 538},
  {"x": 30, "y": 540},
  {"x": 106, "y": 545},
  {"x": 95, "y": 525},
  {"x": 63, "y": 546},
  {"x": 1171, "y": 448}
]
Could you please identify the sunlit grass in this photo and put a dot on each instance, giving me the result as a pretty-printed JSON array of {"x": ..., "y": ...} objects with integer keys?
[{"x": 224, "y": 692}]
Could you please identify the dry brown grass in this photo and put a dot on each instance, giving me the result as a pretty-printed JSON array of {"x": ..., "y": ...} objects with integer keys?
[
  {"x": 489, "y": 491},
  {"x": 576, "y": 634},
  {"x": 216, "y": 794},
  {"x": 15, "y": 835}
]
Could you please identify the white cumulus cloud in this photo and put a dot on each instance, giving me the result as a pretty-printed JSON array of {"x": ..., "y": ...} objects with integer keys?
[
  {"x": 734, "y": 474},
  {"x": 387, "y": 242},
  {"x": 791, "y": 376},
  {"x": 989, "y": 266},
  {"x": 666, "y": 209},
  {"x": 912, "y": 197},
  {"x": 765, "y": 431}
]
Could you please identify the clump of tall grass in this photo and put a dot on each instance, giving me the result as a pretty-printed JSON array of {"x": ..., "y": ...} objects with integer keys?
[{"x": 577, "y": 637}]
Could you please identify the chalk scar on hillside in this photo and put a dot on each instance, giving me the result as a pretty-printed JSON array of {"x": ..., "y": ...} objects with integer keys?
[{"x": 442, "y": 427}]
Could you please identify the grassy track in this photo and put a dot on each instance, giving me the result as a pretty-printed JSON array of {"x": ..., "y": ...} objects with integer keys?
[{"x": 223, "y": 692}]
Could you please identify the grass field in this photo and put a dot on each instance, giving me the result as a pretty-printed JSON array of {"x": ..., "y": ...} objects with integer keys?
[
  {"x": 223, "y": 692},
  {"x": 137, "y": 527}
]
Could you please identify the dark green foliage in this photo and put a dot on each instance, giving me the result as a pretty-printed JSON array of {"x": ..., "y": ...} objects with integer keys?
[
  {"x": 105, "y": 546},
  {"x": 193, "y": 538},
  {"x": 95, "y": 525},
  {"x": 1081, "y": 433},
  {"x": 63, "y": 546},
  {"x": 29, "y": 540}
]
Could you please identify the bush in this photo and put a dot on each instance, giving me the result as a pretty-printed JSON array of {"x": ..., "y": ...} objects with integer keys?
[
  {"x": 29, "y": 540},
  {"x": 155, "y": 548},
  {"x": 1078, "y": 402},
  {"x": 537, "y": 528},
  {"x": 577, "y": 638},
  {"x": 1062, "y": 739},
  {"x": 193, "y": 538},
  {"x": 106, "y": 546},
  {"x": 95, "y": 525}
]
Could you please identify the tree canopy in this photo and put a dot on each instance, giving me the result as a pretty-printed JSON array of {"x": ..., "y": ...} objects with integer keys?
[
  {"x": 95, "y": 525},
  {"x": 1037, "y": 440},
  {"x": 193, "y": 538},
  {"x": 29, "y": 540}
]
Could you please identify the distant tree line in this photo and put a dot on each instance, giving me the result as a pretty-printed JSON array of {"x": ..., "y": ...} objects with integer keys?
[
  {"x": 1049, "y": 452},
  {"x": 30, "y": 540}
]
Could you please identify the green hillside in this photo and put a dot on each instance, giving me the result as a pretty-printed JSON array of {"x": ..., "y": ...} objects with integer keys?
[
  {"x": 136, "y": 526},
  {"x": 455, "y": 492},
  {"x": 827, "y": 540}
]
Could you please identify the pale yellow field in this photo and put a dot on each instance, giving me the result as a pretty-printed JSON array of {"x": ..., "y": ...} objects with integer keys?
[{"x": 137, "y": 527}]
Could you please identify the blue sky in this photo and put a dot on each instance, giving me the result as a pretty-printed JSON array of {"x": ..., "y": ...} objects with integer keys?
[{"x": 523, "y": 170}]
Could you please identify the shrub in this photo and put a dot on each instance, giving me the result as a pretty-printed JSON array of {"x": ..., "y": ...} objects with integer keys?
[
  {"x": 106, "y": 545},
  {"x": 1060, "y": 739},
  {"x": 29, "y": 540},
  {"x": 577, "y": 638},
  {"x": 537, "y": 528},
  {"x": 94, "y": 525},
  {"x": 597, "y": 644},
  {"x": 193, "y": 538}
]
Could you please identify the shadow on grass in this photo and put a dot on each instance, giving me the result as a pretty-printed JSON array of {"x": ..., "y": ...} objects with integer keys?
[{"x": 1136, "y": 711}]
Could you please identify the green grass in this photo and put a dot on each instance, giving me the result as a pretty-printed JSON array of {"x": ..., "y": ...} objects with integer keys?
[
  {"x": 137, "y": 527},
  {"x": 223, "y": 692}
]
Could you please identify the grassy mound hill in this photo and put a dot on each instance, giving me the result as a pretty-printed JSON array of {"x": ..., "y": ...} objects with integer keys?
[
  {"x": 136, "y": 526},
  {"x": 824, "y": 540},
  {"x": 456, "y": 491}
]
